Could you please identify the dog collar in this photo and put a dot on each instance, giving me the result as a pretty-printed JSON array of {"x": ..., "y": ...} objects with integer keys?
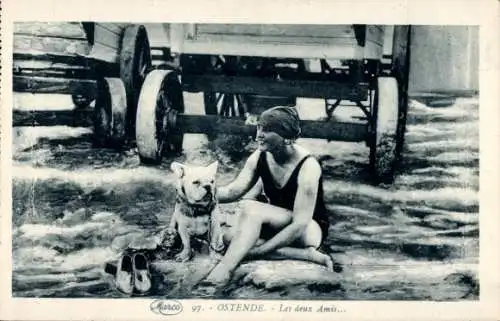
[{"x": 193, "y": 209}]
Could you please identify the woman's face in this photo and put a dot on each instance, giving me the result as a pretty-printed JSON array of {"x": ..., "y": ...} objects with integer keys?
[{"x": 268, "y": 140}]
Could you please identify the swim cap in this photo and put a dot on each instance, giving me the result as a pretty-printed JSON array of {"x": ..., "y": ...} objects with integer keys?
[{"x": 284, "y": 121}]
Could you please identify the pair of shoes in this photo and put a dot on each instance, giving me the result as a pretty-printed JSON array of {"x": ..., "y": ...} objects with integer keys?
[
  {"x": 124, "y": 274},
  {"x": 142, "y": 276},
  {"x": 132, "y": 272}
]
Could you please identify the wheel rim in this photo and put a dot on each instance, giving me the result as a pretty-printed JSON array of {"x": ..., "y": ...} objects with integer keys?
[
  {"x": 102, "y": 112},
  {"x": 144, "y": 62},
  {"x": 135, "y": 62},
  {"x": 158, "y": 100},
  {"x": 110, "y": 113},
  {"x": 385, "y": 129},
  {"x": 162, "y": 106}
]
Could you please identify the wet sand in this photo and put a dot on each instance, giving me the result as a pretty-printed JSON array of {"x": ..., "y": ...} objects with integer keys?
[{"x": 414, "y": 240}]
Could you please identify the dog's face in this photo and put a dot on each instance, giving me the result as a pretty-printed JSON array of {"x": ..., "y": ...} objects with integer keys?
[{"x": 196, "y": 183}]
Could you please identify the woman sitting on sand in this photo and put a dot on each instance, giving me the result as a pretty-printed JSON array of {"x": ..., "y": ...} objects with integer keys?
[{"x": 294, "y": 223}]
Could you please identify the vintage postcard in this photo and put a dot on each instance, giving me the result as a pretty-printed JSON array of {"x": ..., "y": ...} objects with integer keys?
[{"x": 166, "y": 160}]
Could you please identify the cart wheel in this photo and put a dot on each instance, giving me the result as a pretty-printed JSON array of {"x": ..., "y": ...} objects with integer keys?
[
  {"x": 135, "y": 63},
  {"x": 110, "y": 113},
  {"x": 159, "y": 103},
  {"x": 81, "y": 101},
  {"x": 225, "y": 105},
  {"x": 383, "y": 154}
]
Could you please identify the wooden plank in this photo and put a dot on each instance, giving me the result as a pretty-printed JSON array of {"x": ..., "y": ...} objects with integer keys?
[
  {"x": 71, "y": 30},
  {"x": 158, "y": 34},
  {"x": 34, "y": 65},
  {"x": 26, "y": 44},
  {"x": 47, "y": 36},
  {"x": 388, "y": 41},
  {"x": 333, "y": 130},
  {"x": 72, "y": 118},
  {"x": 270, "y": 87},
  {"x": 106, "y": 37},
  {"x": 375, "y": 34},
  {"x": 103, "y": 53},
  {"x": 277, "y": 30},
  {"x": 116, "y": 28},
  {"x": 247, "y": 40},
  {"x": 177, "y": 38},
  {"x": 42, "y": 85},
  {"x": 288, "y": 33},
  {"x": 54, "y": 59},
  {"x": 62, "y": 63},
  {"x": 197, "y": 124},
  {"x": 277, "y": 40},
  {"x": 371, "y": 51},
  {"x": 72, "y": 73}
]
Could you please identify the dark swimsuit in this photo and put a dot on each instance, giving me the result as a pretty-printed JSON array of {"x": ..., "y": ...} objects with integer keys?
[{"x": 285, "y": 197}]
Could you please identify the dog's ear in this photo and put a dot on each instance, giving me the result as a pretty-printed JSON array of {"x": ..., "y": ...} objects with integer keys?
[
  {"x": 178, "y": 169},
  {"x": 212, "y": 168}
]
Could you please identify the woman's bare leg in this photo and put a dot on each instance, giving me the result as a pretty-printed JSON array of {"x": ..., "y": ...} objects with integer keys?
[
  {"x": 305, "y": 250},
  {"x": 247, "y": 233},
  {"x": 310, "y": 254},
  {"x": 253, "y": 216}
]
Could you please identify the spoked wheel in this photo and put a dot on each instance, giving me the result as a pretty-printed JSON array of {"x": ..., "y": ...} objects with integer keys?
[
  {"x": 135, "y": 63},
  {"x": 225, "y": 105},
  {"x": 238, "y": 105},
  {"x": 110, "y": 113},
  {"x": 159, "y": 104},
  {"x": 383, "y": 151}
]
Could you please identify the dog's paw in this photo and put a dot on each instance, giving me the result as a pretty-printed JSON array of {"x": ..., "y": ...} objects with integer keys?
[
  {"x": 252, "y": 119},
  {"x": 184, "y": 256},
  {"x": 167, "y": 237}
]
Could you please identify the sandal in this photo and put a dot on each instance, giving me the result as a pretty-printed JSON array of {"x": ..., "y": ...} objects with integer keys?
[
  {"x": 123, "y": 279},
  {"x": 142, "y": 276}
]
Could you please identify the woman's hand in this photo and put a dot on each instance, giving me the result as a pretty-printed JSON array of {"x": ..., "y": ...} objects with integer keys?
[{"x": 256, "y": 251}]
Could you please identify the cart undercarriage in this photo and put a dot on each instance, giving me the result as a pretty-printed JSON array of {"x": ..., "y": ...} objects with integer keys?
[{"x": 137, "y": 75}]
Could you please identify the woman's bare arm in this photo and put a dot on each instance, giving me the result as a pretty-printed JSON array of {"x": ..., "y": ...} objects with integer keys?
[
  {"x": 245, "y": 180},
  {"x": 305, "y": 201}
]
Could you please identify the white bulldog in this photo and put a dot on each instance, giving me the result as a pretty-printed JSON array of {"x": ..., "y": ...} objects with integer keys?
[{"x": 196, "y": 212}]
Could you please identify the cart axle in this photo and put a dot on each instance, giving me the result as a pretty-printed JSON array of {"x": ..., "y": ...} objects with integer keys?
[
  {"x": 331, "y": 129},
  {"x": 198, "y": 124}
]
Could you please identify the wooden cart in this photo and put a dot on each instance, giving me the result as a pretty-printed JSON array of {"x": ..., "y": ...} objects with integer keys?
[{"x": 137, "y": 74}]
